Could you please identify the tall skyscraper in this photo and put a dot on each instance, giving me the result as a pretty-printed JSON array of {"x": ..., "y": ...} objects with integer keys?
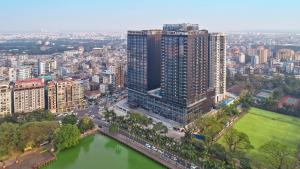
[
  {"x": 218, "y": 65},
  {"x": 5, "y": 99},
  {"x": 169, "y": 70},
  {"x": 144, "y": 63},
  {"x": 184, "y": 65},
  {"x": 29, "y": 95}
]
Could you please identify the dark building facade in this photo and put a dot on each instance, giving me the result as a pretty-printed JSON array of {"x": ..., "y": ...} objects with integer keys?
[{"x": 168, "y": 71}]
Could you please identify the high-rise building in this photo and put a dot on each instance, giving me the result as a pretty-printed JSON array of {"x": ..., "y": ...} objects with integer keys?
[
  {"x": 5, "y": 99},
  {"x": 119, "y": 75},
  {"x": 29, "y": 95},
  {"x": 297, "y": 56},
  {"x": 144, "y": 61},
  {"x": 254, "y": 60},
  {"x": 52, "y": 97},
  {"x": 24, "y": 72},
  {"x": 78, "y": 94},
  {"x": 65, "y": 95},
  {"x": 42, "y": 68},
  {"x": 242, "y": 58},
  {"x": 12, "y": 74},
  {"x": 218, "y": 65},
  {"x": 285, "y": 54},
  {"x": 184, "y": 66},
  {"x": 169, "y": 70},
  {"x": 262, "y": 54}
]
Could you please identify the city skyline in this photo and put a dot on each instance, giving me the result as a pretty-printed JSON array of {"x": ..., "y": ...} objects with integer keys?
[{"x": 117, "y": 15}]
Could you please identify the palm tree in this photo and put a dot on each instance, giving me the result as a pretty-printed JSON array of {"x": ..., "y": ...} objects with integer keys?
[{"x": 114, "y": 128}]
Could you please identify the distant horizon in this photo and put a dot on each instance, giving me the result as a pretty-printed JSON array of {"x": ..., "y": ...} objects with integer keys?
[
  {"x": 88, "y": 15},
  {"x": 125, "y": 31}
]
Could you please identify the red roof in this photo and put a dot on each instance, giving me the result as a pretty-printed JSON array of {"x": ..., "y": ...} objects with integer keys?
[{"x": 37, "y": 80}]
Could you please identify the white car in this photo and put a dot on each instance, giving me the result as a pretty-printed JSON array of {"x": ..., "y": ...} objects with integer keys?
[
  {"x": 148, "y": 145},
  {"x": 193, "y": 166},
  {"x": 154, "y": 148}
]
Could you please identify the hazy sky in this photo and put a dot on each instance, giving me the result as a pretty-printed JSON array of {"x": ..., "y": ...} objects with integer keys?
[{"x": 100, "y": 15}]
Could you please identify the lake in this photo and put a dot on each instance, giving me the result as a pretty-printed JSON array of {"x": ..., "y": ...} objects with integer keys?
[{"x": 101, "y": 152}]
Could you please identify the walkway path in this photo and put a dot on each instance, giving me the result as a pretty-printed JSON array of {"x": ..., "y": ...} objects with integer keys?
[{"x": 156, "y": 156}]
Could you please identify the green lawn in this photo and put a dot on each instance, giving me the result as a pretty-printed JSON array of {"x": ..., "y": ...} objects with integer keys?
[{"x": 262, "y": 126}]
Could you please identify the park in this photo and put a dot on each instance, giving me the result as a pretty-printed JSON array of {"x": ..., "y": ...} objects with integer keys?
[{"x": 262, "y": 126}]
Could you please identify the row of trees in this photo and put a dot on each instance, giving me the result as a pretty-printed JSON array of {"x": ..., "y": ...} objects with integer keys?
[
  {"x": 142, "y": 127},
  {"x": 280, "y": 86}
]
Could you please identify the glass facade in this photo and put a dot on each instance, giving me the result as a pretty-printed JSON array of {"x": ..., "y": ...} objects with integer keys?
[{"x": 175, "y": 63}]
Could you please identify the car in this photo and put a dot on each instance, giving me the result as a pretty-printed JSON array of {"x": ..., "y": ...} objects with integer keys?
[
  {"x": 154, "y": 148},
  {"x": 161, "y": 152},
  {"x": 59, "y": 115},
  {"x": 148, "y": 145},
  {"x": 193, "y": 166}
]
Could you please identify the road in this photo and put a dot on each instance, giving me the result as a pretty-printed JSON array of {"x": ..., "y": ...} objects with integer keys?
[{"x": 165, "y": 157}]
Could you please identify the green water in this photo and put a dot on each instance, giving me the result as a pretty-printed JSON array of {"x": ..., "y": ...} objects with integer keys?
[{"x": 101, "y": 152}]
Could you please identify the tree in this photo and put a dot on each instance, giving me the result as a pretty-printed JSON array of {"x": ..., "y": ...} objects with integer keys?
[
  {"x": 69, "y": 119},
  {"x": 187, "y": 138},
  {"x": 66, "y": 136},
  {"x": 236, "y": 140},
  {"x": 85, "y": 124},
  {"x": 33, "y": 134},
  {"x": 114, "y": 128},
  {"x": 109, "y": 115},
  {"x": 9, "y": 138},
  {"x": 246, "y": 100},
  {"x": 210, "y": 127},
  {"x": 40, "y": 115},
  {"x": 219, "y": 151},
  {"x": 137, "y": 118},
  {"x": 279, "y": 155},
  {"x": 159, "y": 127}
]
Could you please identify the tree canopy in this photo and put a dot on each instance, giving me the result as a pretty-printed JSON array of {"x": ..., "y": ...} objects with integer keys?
[
  {"x": 236, "y": 140},
  {"x": 69, "y": 119},
  {"x": 85, "y": 124},
  {"x": 279, "y": 155},
  {"x": 66, "y": 136}
]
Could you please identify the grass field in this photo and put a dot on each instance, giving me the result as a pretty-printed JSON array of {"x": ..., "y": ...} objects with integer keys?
[{"x": 262, "y": 126}]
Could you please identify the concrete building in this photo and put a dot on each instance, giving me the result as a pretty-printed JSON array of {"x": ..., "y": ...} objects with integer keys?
[
  {"x": 119, "y": 76},
  {"x": 262, "y": 54},
  {"x": 168, "y": 71},
  {"x": 43, "y": 68},
  {"x": 5, "y": 99},
  {"x": 285, "y": 54},
  {"x": 255, "y": 60},
  {"x": 52, "y": 97},
  {"x": 242, "y": 58},
  {"x": 12, "y": 74},
  {"x": 65, "y": 95},
  {"x": 24, "y": 72},
  {"x": 29, "y": 95},
  {"x": 218, "y": 65}
]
